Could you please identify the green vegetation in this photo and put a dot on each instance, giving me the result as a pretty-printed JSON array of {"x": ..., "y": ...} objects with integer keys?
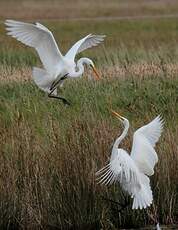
[
  {"x": 49, "y": 153},
  {"x": 127, "y": 41}
]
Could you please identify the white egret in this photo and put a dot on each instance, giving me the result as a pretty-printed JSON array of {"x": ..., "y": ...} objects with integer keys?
[
  {"x": 132, "y": 170},
  {"x": 158, "y": 227},
  {"x": 56, "y": 66}
]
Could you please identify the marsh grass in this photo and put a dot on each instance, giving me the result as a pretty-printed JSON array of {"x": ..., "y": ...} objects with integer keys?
[
  {"x": 50, "y": 153},
  {"x": 127, "y": 42}
]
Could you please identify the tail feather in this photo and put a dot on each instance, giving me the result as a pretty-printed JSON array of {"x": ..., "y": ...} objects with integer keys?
[
  {"x": 143, "y": 198},
  {"x": 42, "y": 79}
]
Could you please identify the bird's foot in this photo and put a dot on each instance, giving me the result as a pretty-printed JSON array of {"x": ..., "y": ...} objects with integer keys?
[{"x": 65, "y": 102}]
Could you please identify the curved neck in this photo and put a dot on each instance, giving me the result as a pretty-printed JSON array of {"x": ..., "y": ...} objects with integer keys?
[
  {"x": 80, "y": 68},
  {"x": 122, "y": 136}
]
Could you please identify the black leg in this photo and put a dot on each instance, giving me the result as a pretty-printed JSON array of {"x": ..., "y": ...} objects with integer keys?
[
  {"x": 54, "y": 86},
  {"x": 60, "y": 98},
  {"x": 55, "y": 83},
  {"x": 122, "y": 206}
]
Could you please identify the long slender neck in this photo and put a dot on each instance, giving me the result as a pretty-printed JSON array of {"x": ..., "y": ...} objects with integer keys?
[
  {"x": 80, "y": 68},
  {"x": 122, "y": 136}
]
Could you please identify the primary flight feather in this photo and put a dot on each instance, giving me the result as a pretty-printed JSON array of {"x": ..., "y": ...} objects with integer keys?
[{"x": 132, "y": 170}]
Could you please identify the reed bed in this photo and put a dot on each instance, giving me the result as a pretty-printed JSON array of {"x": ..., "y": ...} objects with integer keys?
[{"x": 49, "y": 153}]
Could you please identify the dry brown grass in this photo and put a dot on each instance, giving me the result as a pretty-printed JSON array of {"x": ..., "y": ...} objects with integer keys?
[
  {"x": 49, "y": 154},
  {"x": 54, "y": 183},
  {"x": 33, "y": 10},
  {"x": 20, "y": 75},
  {"x": 140, "y": 70}
]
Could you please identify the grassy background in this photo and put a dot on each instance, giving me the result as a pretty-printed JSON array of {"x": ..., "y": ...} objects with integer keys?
[
  {"x": 54, "y": 9},
  {"x": 49, "y": 153},
  {"x": 127, "y": 42}
]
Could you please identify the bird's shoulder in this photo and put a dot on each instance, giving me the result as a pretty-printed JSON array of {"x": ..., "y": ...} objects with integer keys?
[
  {"x": 119, "y": 153},
  {"x": 69, "y": 62}
]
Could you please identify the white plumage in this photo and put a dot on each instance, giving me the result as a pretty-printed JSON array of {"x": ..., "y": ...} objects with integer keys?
[
  {"x": 83, "y": 44},
  {"x": 38, "y": 37},
  {"x": 55, "y": 64},
  {"x": 144, "y": 140},
  {"x": 158, "y": 227},
  {"x": 132, "y": 171},
  {"x": 42, "y": 79}
]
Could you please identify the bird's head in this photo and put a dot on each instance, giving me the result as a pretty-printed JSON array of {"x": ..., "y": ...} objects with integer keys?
[
  {"x": 90, "y": 63},
  {"x": 124, "y": 121}
]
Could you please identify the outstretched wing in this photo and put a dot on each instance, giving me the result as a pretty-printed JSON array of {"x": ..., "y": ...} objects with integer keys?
[
  {"x": 38, "y": 37},
  {"x": 122, "y": 169},
  {"x": 144, "y": 141},
  {"x": 83, "y": 44}
]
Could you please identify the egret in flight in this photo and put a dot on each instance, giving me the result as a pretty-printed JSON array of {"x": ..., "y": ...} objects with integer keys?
[
  {"x": 57, "y": 67},
  {"x": 133, "y": 171}
]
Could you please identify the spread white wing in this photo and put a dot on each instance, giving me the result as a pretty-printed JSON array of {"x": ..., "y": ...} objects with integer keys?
[
  {"x": 83, "y": 44},
  {"x": 38, "y": 37},
  {"x": 144, "y": 141},
  {"x": 121, "y": 168}
]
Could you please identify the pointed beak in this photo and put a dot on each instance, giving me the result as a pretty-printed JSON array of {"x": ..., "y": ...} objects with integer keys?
[
  {"x": 117, "y": 115},
  {"x": 97, "y": 76}
]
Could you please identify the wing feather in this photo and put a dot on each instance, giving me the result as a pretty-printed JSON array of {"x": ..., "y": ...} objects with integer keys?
[
  {"x": 121, "y": 168},
  {"x": 38, "y": 37},
  {"x": 83, "y": 44},
  {"x": 144, "y": 141}
]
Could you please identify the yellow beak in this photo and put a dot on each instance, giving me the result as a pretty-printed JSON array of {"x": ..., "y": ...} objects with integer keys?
[
  {"x": 117, "y": 115},
  {"x": 97, "y": 76}
]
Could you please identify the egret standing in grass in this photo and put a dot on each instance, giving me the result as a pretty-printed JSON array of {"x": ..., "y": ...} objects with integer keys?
[
  {"x": 56, "y": 66},
  {"x": 132, "y": 170}
]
